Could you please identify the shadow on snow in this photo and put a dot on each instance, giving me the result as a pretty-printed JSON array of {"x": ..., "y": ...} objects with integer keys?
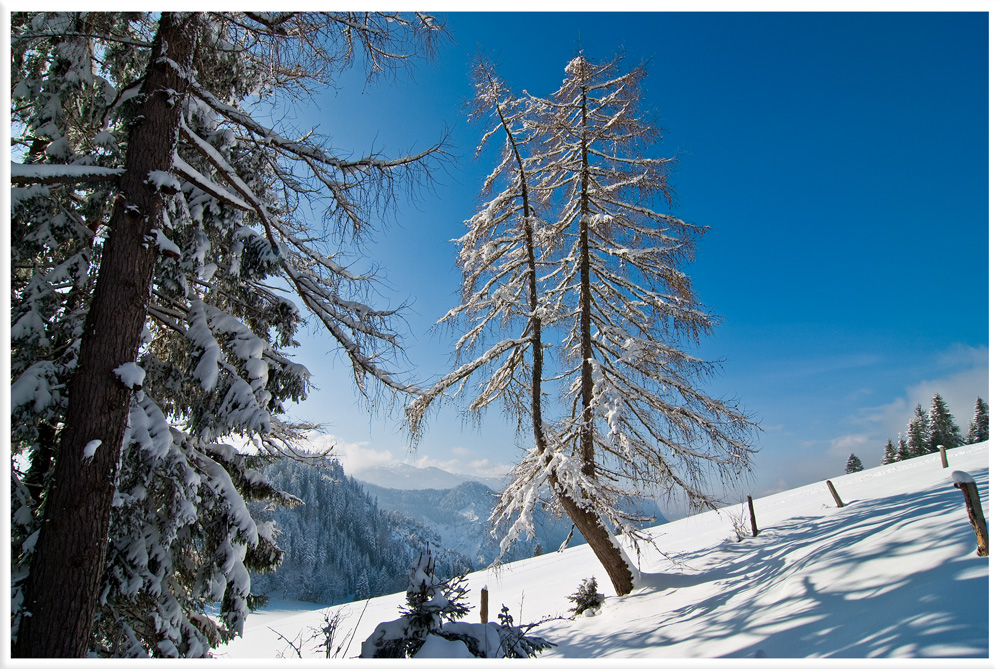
[{"x": 765, "y": 588}]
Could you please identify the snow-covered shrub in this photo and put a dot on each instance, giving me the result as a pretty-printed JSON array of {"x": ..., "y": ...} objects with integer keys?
[
  {"x": 429, "y": 601},
  {"x": 429, "y": 625},
  {"x": 586, "y": 597}
]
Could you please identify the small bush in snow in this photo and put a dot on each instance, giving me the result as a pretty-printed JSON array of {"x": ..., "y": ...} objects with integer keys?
[
  {"x": 429, "y": 626},
  {"x": 739, "y": 523},
  {"x": 586, "y": 597}
]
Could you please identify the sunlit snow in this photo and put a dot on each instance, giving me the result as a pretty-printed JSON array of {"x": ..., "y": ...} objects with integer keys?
[{"x": 894, "y": 573}]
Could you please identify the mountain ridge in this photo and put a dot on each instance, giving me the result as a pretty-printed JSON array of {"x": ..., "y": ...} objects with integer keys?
[{"x": 402, "y": 476}]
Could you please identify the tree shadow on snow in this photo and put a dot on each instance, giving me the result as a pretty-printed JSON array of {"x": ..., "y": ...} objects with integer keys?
[{"x": 766, "y": 588}]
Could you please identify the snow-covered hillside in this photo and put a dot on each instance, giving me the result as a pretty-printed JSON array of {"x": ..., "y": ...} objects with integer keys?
[{"x": 894, "y": 573}]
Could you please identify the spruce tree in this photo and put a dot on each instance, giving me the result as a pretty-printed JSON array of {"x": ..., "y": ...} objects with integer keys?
[
  {"x": 902, "y": 453},
  {"x": 943, "y": 431},
  {"x": 853, "y": 464},
  {"x": 917, "y": 434},
  {"x": 158, "y": 226},
  {"x": 979, "y": 426},
  {"x": 890, "y": 454}
]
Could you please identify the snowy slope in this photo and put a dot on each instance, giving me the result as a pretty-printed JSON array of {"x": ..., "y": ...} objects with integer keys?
[{"x": 892, "y": 574}]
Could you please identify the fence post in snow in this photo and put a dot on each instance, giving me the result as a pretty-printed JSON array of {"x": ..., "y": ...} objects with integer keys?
[
  {"x": 484, "y": 605},
  {"x": 974, "y": 507},
  {"x": 944, "y": 457},
  {"x": 836, "y": 497},
  {"x": 753, "y": 518}
]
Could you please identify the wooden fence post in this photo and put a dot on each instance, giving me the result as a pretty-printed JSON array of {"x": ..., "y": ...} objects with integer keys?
[
  {"x": 836, "y": 497},
  {"x": 944, "y": 457},
  {"x": 753, "y": 518},
  {"x": 974, "y": 507},
  {"x": 484, "y": 605}
]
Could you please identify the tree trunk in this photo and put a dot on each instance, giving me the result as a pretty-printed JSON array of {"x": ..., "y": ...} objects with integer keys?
[
  {"x": 63, "y": 586},
  {"x": 586, "y": 346},
  {"x": 592, "y": 528},
  {"x": 599, "y": 539}
]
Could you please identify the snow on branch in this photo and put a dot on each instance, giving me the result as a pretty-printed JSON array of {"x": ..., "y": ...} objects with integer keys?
[
  {"x": 417, "y": 408},
  {"x": 204, "y": 183},
  {"x": 321, "y": 300},
  {"x": 27, "y": 175}
]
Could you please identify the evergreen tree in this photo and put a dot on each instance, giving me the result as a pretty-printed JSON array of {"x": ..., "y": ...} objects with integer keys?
[
  {"x": 433, "y": 608},
  {"x": 942, "y": 429},
  {"x": 902, "y": 453},
  {"x": 890, "y": 454},
  {"x": 918, "y": 434},
  {"x": 979, "y": 426},
  {"x": 155, "y": 221},
  {"x": 853, "y": 464},
  {"x": 586, "y": 597}
]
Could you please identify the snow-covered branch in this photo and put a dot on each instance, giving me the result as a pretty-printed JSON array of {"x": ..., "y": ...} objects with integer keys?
[{"x": 27, "y": 175}]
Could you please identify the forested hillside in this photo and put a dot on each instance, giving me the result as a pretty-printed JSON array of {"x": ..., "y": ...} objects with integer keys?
[
  {"x": 351, "y": 540},
  {"x": 339, "y": 546}
]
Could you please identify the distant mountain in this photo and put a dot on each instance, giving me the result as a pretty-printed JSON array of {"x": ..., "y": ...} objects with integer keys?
[
  {"x": 459, "y": 517},
  {"x": 339, "y": 545},
  {"x": 353, "y": 540},
  {"x": 407, "y": 477}
]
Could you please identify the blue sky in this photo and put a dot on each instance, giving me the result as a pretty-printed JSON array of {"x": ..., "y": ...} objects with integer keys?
[{"x": 840, "y": 161}]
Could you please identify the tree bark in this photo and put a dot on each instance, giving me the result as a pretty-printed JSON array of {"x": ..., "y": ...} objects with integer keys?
[
  {"x": 598, "y": 537},
  {"x": 62, "y": 590}
]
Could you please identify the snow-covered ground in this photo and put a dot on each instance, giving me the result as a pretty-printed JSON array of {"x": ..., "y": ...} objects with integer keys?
[{"x": 894, "y": 573}]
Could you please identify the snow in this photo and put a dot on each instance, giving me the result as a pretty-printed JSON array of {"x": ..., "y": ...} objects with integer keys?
[
  {"x": 91, "y": 448},
  {"x": 894, "y": 573},
  {"x": 959, "y": 476},
  {"x": 34, "y": 386},
  {"x": 438, "y": 647},
  {"x": 55, "y": 172},
  {"x": 165, "y": 245},
  {"x": 131, "y": 374}
]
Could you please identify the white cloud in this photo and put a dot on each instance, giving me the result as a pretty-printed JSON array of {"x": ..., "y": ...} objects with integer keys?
[
  {"x": 482, "y": 468},
  {"x": 967, "y": 380},
  {"x": 353, "y": 456},
  {"x": 959, "y": 389},
  {"x": 963, "y": 355},
  {"x": 848, "y": 443},
  {"x": 357, "y": 457}
]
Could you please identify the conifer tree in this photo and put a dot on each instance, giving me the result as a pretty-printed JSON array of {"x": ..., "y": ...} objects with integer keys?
[
  {"x": 979, "y": 426},
  {"x": 918, "y": 433},
  {"x": 942, "y": 429},
  {"x": 890, "y": 454},
  {"x": 155, "y": 221},
  {"x": 853, "y": 464},
  {"x": 902, "y": 453}
]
